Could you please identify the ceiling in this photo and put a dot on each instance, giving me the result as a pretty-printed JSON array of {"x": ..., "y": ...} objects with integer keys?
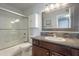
[{"x": 22, "y": 6}]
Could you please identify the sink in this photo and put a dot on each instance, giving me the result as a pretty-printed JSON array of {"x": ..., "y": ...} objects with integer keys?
[{"x": 55, "y": 38}]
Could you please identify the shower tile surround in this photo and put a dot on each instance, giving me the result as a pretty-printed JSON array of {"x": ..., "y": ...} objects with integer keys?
[
  {"x": 60, "y": 34},
  {"x": 12, "y": 33}
]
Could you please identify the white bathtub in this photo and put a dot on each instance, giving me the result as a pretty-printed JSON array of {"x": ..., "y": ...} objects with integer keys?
[{"x": 18, "y": 50}]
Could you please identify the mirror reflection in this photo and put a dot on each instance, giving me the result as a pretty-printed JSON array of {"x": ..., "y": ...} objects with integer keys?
[{"x": 57, "y": 19}]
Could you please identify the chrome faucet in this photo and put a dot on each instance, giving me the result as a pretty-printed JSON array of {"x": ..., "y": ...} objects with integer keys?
[{"x": 52, "y": 34}]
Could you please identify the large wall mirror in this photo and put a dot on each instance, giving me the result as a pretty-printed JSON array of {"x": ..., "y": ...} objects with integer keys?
[{"x": 62, "y": 19}]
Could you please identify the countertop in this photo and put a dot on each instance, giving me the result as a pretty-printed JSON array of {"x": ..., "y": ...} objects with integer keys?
[{"x": 74, "y": 43}]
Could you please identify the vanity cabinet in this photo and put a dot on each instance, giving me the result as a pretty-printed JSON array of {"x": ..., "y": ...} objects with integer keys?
[
  {"x": 43, "y": 48},
  {"x": 37, "y": 51}
]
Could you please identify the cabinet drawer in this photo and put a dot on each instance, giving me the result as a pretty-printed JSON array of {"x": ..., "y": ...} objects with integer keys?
[
  {"x": 56, "y": 48},
  {"x": 35, "y": 42}
]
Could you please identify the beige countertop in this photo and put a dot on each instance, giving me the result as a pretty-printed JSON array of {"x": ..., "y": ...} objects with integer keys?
[{"x": 74, "y": 43}]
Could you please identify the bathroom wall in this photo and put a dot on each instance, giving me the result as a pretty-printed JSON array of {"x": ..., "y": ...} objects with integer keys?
[
  {"x": 35, "y": 31},
  {"x": 13, "y": 29}
]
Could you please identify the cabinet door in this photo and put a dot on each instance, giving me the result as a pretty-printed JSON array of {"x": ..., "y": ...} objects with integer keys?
[
  {"x": 37, "y": 51},
  {"x": 75, "y": 52},
  {"x": 57, "y": 48}
]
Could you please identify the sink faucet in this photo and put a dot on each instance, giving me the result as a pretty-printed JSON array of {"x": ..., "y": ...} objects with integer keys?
[{"x": 52, "y": 34}]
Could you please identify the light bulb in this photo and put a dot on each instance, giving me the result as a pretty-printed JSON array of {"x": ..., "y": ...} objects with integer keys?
[
  {"x": 64, "y": 4},
  {"x": 47, "y": 9},
  {"x": 57, "y": 5},
  {"x": 51, "y": 6}
]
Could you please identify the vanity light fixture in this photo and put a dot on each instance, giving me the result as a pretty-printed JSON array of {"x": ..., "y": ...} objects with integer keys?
[{"x": 54, "y": 6}]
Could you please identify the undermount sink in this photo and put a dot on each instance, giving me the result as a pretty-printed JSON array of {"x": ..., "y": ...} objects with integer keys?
[{"x": 55, "y": 38}]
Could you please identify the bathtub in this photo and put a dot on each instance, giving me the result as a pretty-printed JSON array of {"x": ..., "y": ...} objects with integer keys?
[{"x": 24, "y": 49}]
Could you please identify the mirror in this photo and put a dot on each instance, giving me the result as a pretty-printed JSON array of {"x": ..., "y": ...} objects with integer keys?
[
  {"x": 57, "y": 19},
  {"x": 62, "y": 19}
]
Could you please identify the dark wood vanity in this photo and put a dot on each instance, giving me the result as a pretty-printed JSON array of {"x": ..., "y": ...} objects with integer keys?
[{"x": 43, "y": 48}]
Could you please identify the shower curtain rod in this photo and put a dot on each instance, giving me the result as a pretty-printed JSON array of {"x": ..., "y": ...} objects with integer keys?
[{"x": 12, "y": 12}]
